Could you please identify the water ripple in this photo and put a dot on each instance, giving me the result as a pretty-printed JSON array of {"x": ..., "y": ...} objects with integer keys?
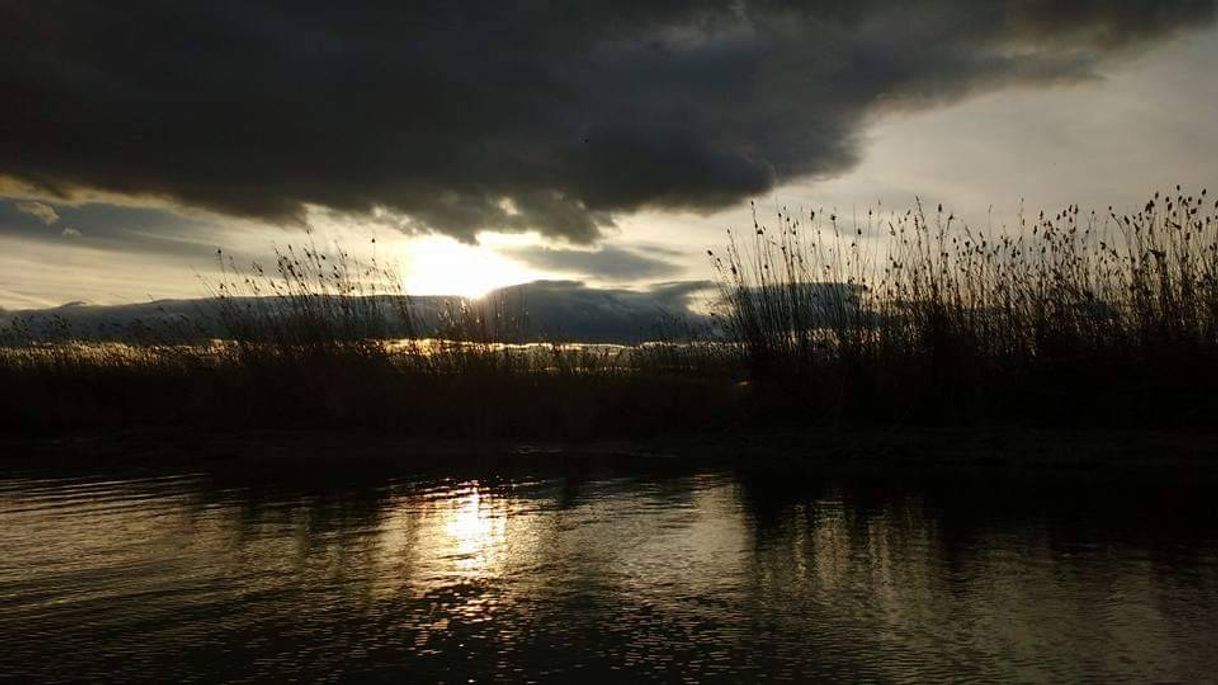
[{"x": 688, "y": 576}]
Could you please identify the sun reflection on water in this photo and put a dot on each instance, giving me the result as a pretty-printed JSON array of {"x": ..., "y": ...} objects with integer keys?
[
  {"x": 451, "y": 536},
  {"x": 477, "y": 529},
  {"x": 694, "y": 576}
]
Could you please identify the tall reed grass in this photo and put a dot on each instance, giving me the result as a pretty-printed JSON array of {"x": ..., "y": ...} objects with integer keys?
[
  {"x": 323, "y": 340},
  {"x": 1064, "y": 317}
]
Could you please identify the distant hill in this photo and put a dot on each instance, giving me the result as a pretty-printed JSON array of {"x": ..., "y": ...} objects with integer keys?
[{"x": 554, "y": 310}]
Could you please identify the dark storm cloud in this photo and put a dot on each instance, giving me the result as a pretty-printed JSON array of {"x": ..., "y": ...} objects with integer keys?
[
  {"x": 506, "y": 115},
  {"x": 609, "y": 263}
]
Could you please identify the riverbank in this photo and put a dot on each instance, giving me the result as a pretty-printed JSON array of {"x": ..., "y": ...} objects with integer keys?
[{"x": 893, "y": 449}]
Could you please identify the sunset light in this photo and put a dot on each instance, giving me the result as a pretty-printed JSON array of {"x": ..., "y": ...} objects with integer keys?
[
  {"x": 615, "y": 342},
  {"x": 436, "y": 265}
]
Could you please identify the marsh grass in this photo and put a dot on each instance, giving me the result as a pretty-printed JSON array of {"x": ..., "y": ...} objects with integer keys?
[
  {"x": 1069, "y": 318},
  {"x": 322, "y": 340},
  {"x": 913, "y": 317}
]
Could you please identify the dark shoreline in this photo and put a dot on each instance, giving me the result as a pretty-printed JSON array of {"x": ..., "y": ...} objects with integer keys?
[{"x": 880, "y": 450}]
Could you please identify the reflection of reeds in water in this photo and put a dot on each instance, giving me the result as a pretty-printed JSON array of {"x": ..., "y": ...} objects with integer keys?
[
  {"x": 908, "y": 317},
  {"x": 682, "y": 575}
]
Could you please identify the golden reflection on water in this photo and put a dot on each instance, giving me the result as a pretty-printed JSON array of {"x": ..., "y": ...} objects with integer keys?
[
  {"x": 477, "y": 529},
  {"x": 677, "y": 562},
  {"x": 454, "y": 535}
]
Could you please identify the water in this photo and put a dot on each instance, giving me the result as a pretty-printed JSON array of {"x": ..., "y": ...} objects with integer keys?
[{"x": 575, "y": 571}]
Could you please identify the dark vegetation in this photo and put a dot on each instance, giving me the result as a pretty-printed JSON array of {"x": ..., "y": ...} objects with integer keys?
[{"x": 1073, "y": 319}]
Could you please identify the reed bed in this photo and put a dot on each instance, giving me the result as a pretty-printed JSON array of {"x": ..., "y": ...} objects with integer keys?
[
  {"x": 323, "y": 341},
  {"x": 1064, "y": 318},
  {"x": 1068, "y": 318}
]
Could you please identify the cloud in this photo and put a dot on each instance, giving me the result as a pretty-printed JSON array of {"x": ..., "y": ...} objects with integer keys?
[
  {"x": 607, "y": 263},
  {"x": 508, "y": 116},
  {"x": 44, "y": 212},
  {"x": 141, "y": 231},
  {"x": 71, "y": 233}
]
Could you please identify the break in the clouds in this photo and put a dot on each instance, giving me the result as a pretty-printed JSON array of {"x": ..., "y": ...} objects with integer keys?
[{"x": 463, "y": 117}]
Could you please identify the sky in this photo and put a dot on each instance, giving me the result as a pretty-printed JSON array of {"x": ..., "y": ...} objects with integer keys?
[{"x": 483, "y": 145}]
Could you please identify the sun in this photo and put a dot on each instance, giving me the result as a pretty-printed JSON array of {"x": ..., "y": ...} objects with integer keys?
[{"x": 436, "y": 265}]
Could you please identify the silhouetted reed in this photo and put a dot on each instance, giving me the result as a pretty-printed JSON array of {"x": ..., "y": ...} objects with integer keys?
[
  {"x": 1068, "y": 318},
  {"x": 323, "y": 340}
]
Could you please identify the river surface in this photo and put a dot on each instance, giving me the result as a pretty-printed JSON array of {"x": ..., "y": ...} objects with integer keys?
[{"x": 591, "y": 573}]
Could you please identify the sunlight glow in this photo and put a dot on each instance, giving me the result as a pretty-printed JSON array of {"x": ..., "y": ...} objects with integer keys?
[
  {"x": 436, "y": 265},
  {"x": 477, "y": 530}
]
